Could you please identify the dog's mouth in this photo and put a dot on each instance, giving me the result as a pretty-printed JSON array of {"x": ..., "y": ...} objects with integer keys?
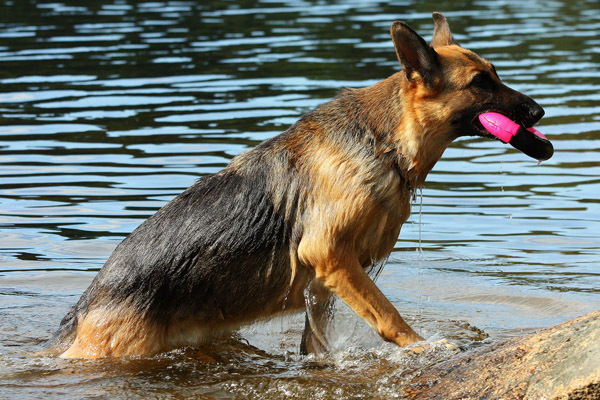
[{"x": 529, "y": 141}]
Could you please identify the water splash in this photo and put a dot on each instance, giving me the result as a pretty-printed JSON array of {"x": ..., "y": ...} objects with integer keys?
[
  {"x": 420, "y": 251},
  {"x": 420, "y": 247},
  {"x": 374, "y": 270},
  {"x": 318, "y": 315}
]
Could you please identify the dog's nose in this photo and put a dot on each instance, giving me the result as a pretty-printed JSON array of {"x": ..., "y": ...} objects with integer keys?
[
  {"x": 536, "y": 111},
  {"x": 528, "y": 112}
]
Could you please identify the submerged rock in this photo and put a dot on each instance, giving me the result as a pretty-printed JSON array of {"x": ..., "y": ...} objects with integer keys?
[{"x": 562, "y": 362}]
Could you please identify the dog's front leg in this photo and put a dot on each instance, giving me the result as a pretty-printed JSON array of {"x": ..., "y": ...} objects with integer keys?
[{"x": 346, "y": 278}]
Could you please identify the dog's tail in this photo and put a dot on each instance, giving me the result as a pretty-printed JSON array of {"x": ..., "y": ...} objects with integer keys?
[{"x": 65, "y": 334}]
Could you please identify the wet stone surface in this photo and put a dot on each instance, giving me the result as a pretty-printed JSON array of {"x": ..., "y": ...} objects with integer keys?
[{"x": 557, "y": 363}]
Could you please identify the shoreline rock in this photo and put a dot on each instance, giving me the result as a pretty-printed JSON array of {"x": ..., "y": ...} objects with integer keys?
[{"x": 562, "y": 362}]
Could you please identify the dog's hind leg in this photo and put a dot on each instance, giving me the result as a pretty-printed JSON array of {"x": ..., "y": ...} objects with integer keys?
[{"x": 319, "y": 307}]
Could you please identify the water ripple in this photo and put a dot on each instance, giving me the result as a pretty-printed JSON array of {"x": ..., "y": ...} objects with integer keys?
[{"x": 111, "y": 109}]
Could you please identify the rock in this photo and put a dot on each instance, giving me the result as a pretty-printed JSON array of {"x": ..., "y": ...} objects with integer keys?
[{"x": 562, "y": 362}]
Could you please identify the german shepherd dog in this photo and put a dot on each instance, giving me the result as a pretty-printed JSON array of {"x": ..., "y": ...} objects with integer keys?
[{"x": 302, "y": 215}]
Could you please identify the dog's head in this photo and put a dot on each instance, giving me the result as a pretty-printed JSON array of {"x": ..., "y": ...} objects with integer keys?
[{"x": 456, "y": 88}]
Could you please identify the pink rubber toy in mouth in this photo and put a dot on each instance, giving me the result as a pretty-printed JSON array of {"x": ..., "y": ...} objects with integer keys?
[
  {"x": 499, "y": 125},
  {"x": 503, "y": 127},
  {"x": 528, "y": 140},
  {"x": 537, "y": 133}
]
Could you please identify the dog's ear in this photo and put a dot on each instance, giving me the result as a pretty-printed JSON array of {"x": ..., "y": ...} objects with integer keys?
[
  {"x": 415, "y": 55},
  {"x": 442, "y": 36}
]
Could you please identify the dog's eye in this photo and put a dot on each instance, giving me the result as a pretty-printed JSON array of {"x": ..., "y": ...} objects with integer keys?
[{"x": 483, "y": 80}]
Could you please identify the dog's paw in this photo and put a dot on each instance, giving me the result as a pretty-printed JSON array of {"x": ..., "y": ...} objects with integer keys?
[
  {"x": 448, "y": 344},
  {"x": 420, "y": 347}
]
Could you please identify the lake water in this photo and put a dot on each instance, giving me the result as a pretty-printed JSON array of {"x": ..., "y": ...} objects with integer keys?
[{"x": 108, "y": 109}]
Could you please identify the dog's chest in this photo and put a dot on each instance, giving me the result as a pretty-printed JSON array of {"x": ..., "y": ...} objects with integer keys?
[{"x": 384, "y": 220}]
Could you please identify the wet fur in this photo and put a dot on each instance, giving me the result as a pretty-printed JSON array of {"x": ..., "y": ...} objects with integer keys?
[{"x": 319, "y": 203}]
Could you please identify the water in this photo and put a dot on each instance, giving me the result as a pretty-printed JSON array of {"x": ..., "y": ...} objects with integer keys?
[{"x": 110, "y": 108}]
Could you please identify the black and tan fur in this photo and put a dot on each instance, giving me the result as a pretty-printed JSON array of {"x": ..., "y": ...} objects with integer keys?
[{"x": 317, "y": 204}]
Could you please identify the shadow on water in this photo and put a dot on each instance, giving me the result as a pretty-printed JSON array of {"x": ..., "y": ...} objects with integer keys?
[{"x": 110, "y": 108}]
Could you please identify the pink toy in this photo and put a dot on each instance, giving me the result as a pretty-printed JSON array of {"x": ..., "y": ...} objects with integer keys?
[{"x": 537, "y": 145}]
